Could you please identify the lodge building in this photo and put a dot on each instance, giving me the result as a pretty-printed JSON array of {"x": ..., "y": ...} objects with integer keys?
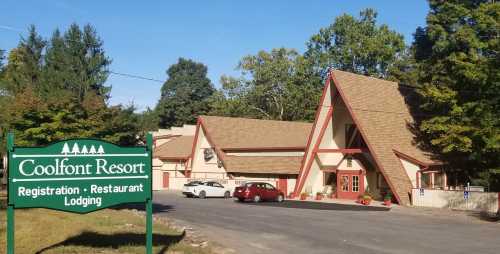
[
  {"x": 362, "y": 140},
  {"x": 232, "y": 151}
]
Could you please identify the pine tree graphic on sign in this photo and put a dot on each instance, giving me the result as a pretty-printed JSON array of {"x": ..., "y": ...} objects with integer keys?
[
  {"x": 75, "y": 149},
  {"x": 65, "y": 149},
  {"x": 100, "y": 150},
  {"x": 84, "y": 150},
  {"x": 92, "y": 150}
]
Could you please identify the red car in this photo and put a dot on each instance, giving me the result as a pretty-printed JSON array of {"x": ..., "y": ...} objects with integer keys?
[{"x": 257, "y": 192}]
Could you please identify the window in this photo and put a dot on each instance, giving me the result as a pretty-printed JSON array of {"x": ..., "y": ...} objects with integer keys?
[
  {"x": 349, "y": 131},
  {"x": 218, "y": 185},
  {"x": 438, "y": 180},
  {"x": 349, "y": 161},
  {"x": 269, "y": 187},
  {"x": 426, "y": 180},
  {"x": 344, "y": 182},
  {"x": 355, "y": 183},
  {"x": 353, "y": 138}
]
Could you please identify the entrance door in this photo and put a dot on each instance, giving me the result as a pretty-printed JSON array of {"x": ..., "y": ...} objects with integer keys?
[
  {"x": 350, "y": 184},
  {"x": 281, "y": 185},
  {"x": 165, "y": 180}
]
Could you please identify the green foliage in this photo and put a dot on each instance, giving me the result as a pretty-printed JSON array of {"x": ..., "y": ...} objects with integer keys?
[
  {"x": 457, "y": 54},
  {"x": 356, "y": 45},
  {"x": 148, "y": 120},
  {"x": 185, "y": 94},
  {"x": 76, "y": 61},
  {"x": 61, "y": 94},
  {"x": 281, "y": 86}
]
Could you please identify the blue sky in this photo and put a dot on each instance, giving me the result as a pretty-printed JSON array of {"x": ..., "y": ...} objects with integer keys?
[{"x": 145, "y": 37}]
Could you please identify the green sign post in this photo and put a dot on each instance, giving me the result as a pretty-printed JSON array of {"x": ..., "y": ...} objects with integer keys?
[{"x": 80, "y": 176}]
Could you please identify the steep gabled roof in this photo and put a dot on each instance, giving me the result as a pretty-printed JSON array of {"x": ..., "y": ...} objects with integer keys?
[
  {"x": 382, "y": 114},
  {"x": 235, "y": 133},
  {"x": 179, "y": 148},
  {"x": 381, "y": 111},
  {"x": 381, "y": 108}
]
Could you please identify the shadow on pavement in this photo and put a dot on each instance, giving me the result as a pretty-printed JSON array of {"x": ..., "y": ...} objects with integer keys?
[
  {"x": 320, "y": 206},
  {"x": 97, "y": 240},
  {"x": 485, "y": 216},
  {"x": 142, "y": 207}
]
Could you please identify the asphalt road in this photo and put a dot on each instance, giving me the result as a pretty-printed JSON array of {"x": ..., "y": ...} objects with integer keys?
[{"x": 291, "y": 227}]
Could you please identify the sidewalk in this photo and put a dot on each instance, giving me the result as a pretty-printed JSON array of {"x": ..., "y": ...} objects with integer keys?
[{"x": 374, "y": 203}]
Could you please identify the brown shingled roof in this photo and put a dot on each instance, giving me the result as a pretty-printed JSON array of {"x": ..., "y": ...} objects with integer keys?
[
  {"x": 384, "y": 119},
  {"x": 233, "y": 132},
  {"x": 178, "y": 148},
  {"x": 263, "y": 164}
]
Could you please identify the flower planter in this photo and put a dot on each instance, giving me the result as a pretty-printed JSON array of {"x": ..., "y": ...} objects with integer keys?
[
  {"x": 319, "y": 197},
  {"x": 303, "y": 197},
  {"x": 366, "y": 201},
  {"x": 387, "y": 202}
]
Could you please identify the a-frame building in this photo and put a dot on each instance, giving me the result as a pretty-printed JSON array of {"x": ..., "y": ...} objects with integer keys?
[{"x": 361, "y": 141}]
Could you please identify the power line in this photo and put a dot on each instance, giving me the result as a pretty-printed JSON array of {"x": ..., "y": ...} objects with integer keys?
[{"x": 136, "y": 76}]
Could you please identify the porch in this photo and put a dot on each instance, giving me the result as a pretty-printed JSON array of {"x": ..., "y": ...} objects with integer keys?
[{"x": 345, "y": 174}]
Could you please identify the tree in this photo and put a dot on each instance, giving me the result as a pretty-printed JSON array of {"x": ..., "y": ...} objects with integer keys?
[
  {"x": 282, "y": 86},
  {"x": 61, "y": 95},
  {"x": 457, "y": 54},
  {"x": 2, "y": 58},
  {"x": 185, "y": 94},
  {"x": 356, "y": 45},
  {"x": 148, "y": 121},
  {"x": 76, "y": 62},
  {"x": 24, "y": 63}
]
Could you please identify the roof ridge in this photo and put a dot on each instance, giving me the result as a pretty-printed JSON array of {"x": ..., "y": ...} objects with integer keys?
[
  {"x": 367, "y": 76},
  {"x": 256, "y": 119}
]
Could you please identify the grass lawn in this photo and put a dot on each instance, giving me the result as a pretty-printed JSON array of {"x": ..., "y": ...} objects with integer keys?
[{"x": 106, "y": 231}]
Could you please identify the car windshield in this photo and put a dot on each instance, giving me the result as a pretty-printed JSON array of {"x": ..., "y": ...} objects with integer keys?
[{"x": 193, "y": 183}]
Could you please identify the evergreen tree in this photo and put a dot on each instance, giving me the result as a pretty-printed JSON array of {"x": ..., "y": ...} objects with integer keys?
[
  {"x": 61, "y": 94},
  {"x": 25, "y": 63},
  {"x": 76, "y": 62},
  {"x": 457, "y": 54},
  {"x": 185, "y": 94}
]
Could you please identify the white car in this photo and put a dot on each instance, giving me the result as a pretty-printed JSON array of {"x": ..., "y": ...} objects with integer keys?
[{"x": 206, "y": 189}]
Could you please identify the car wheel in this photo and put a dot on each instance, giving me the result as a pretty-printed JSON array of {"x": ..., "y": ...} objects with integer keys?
[
  {"x": 227, "y": 194},
  {"x": 280, "y": 198},
  {"x": 202, "y": 194},
  {"x": 256, "y": 199}
]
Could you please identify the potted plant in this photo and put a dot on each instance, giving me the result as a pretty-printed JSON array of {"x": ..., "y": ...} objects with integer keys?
[
  {"x": 387, "y": 199},
  {"x": 319, "y": 196},
  {"x": 303, "y": 196},
  {"x": 367, "y": 199},
  {"x": 360, "y": 199}
]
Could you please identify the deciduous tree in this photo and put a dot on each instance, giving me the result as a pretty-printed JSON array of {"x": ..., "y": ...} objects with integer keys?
[
  {"x": 185, "y": 94},
  {"x": 279, "y": 85},
  {"x": 356, "y": 45}
]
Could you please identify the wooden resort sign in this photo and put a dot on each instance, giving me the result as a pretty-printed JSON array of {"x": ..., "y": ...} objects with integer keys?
[{"x": 80, "y": 176}]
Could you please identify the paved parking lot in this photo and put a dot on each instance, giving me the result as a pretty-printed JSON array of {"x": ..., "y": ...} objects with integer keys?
[{"x": 294, "y": 228}]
